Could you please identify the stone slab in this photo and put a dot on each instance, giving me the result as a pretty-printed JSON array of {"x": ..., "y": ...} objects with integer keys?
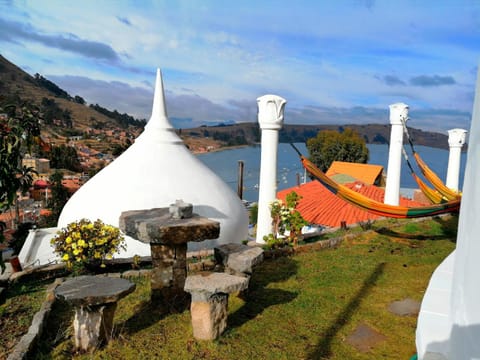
[
  {"x": 203, "y": 285},
  {"x": 94, "y": 290},
  {"x": 239, "y": 258},
  {"x": 364, "y": 338},
  {"x": 157, "y": 226},
  {"x": 406, "y": 307}
]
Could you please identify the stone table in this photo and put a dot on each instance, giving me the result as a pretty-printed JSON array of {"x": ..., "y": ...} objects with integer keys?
[
  {"x": 168, "y": 237},
  {"x": 95, "y": 300}
]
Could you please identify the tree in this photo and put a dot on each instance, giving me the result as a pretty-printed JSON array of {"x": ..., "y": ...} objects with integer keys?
[
  {"x": 329, "y": 146},
  {"x": 19, "y": 127},
  {"x": 59, "y": 197}
]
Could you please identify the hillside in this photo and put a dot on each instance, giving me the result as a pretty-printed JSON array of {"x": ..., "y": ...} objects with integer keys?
[{"x": 63, "y": 115}]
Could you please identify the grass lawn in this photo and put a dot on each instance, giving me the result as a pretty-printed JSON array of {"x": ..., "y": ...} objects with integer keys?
[{"x": 298, "y": 307}]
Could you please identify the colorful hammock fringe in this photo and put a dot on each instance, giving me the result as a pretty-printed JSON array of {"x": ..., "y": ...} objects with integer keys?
[
  {"x": 373, "y": 206},
  {"x": 437, "y": 183}
]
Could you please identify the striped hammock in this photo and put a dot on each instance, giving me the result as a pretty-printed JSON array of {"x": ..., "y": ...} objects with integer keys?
[
  {"x": 437, "y": 183},
  {"x": 373, "y": 206}
]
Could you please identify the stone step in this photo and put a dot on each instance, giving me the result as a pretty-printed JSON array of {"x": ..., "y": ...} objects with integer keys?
[{"x": 238, "y": 258}]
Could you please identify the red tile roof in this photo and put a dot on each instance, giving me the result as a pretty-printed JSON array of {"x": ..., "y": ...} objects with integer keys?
[
  {"x": 366, "y": 173},
  {"x": 319, "y": 206}
]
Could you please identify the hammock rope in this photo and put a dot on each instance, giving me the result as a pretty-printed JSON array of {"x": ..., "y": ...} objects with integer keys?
[
  {"x": 433, "y": 178},
  {"x": 432, "y": 195},
  {"x": 373, "y": 206}
]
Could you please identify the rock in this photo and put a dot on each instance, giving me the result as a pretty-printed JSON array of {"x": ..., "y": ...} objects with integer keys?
[
  {"x": 180, "y": 210},
  {"x": 238, "y": 258}
]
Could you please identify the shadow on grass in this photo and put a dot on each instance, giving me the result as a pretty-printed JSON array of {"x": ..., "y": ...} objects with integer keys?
[
  {"x": 146, "y": 314},
  {"x": 258, "y": 297},
  {"x": 323, "y": 348},
  {"x": 448, "y": 225}
]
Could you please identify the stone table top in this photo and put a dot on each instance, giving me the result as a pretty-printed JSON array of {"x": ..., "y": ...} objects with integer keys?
[
  {"x": 94, "y": 290},
  {"x": 156, "y": 226}
]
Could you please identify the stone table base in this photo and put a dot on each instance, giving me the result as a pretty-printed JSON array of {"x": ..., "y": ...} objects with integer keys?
[
  {"x": 93, "y": 325},
  {"x": 209, "y": 306}
]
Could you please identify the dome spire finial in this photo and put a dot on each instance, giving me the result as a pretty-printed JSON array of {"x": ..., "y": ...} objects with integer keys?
[{"x": 159, "y": 116}]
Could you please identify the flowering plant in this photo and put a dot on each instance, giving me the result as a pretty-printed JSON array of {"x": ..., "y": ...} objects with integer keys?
[
  {"x": 285, "y": 217},
  {"x": 83, "y": 242}
]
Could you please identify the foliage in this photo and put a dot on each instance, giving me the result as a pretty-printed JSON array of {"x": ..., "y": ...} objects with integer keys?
[
  {"x": 59, "y": 196},
  {"x": 329, "y": 146},
  {"x": 285, "y": 218},
  {"x": 52, "y": 112},
  {"x": 19, "y": 127},
  {"x": 253, "y": 214},
  {"x": 83, "y": 242},
  {"x": 124, "y": 120},
  {"x": 50, "y": 86},
  {"x": 63, "y": 157}
]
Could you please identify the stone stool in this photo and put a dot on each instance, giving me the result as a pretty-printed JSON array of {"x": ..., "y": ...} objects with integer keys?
[
  {"x": 238, "y": 259},
  {"x": 209, "y": 307},
  {"x": 95, "y": 300}
]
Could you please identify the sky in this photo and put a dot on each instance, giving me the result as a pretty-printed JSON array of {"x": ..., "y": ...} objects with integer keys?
[{"x": 335, "y": 62}]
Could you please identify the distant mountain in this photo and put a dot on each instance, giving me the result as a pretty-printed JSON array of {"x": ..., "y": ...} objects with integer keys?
[{"x": 249, "y": 133}]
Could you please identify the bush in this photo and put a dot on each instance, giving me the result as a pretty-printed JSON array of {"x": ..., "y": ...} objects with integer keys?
[{"x": 84, "y": 243}]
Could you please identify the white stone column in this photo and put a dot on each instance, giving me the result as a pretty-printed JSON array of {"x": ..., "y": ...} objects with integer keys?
[
  {"x": 456, "y": 139},
  {"x": 398, "y": 113},
  {"x": 270, "y": 118}
]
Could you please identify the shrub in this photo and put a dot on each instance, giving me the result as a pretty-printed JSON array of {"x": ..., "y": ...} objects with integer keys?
[
  {"x": 84, "y": 243},
  {"x": 285, "y": 217}
]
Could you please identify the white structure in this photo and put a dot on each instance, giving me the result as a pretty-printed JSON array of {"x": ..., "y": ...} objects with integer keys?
[
  {"x": 449, "y": 320},
  {"x": 456, "y": 139},
  {"x": 154, "y": 172},
  {"x": 270, "y": 118},
  {"x": 398, "y": 116}
]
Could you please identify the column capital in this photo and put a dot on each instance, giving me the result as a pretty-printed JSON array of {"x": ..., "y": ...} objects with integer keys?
[
  {"x": 456, "y": 137},
  {"x": 398, "y": 112},
  {"x": 270, "y": 112}
]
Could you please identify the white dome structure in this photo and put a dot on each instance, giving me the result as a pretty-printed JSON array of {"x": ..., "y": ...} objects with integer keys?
[{"x": 154, "y": 172}]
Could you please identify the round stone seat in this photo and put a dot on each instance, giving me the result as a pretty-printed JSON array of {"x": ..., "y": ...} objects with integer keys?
[{"x": 95, "y": 300}]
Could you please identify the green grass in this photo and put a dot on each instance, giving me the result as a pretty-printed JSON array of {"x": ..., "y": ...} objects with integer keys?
[
  {"x": 22, "y": 301},
  {"x": 298, "y": 307}
]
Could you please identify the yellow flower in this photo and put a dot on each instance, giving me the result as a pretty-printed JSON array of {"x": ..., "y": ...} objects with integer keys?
[
  {"x": 65, "y": 257},
  {"x": 81, "y": 243},
  {"x": 68, "y": 240}
]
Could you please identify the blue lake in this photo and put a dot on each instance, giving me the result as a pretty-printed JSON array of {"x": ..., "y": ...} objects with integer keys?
[{"x": 225, "y": 164}]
